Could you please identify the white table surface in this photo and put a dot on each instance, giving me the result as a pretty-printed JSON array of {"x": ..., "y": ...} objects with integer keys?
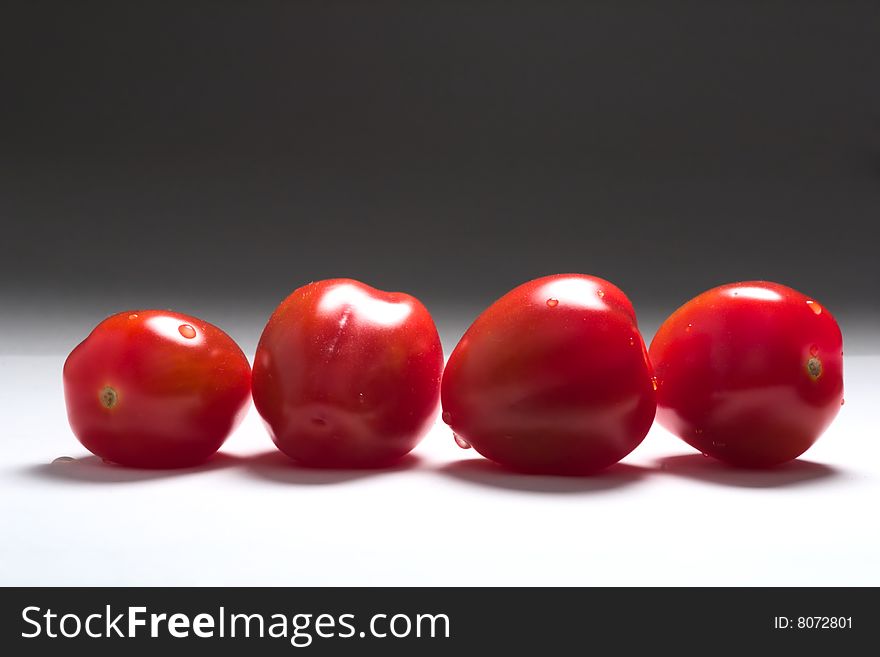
[{"x": 665, "y": 515}]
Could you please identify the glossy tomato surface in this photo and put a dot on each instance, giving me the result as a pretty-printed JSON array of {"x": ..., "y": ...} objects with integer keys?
[
  {"x": 553, "y": 377},
  {"x": 155, "y": 389},
  {"x": 750, "y": 373},
  {"x": 346, "y": 375}
]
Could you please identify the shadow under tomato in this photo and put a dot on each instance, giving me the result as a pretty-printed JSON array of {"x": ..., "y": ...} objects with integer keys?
[
  {"x": 93, "y": 470},
  {"x": 483, "y": 472},
  {"x": 702, "y": 468},
  {"x": 275, "y": 466}
]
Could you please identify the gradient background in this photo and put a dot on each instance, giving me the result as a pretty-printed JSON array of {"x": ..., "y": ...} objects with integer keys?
[{"x": 212, "y": 156}]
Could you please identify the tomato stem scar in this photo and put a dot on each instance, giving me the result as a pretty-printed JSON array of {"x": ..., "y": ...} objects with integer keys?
[
  {"x": 108, "y": 397},
  {"x": 814, "y": 368}
]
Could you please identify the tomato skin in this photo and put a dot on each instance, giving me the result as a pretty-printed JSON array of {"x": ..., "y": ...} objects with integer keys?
[
  {"x": 553, "y": 378},
  {"x": 155, "y": 389},
  {"x": 750, "y": 373},
  {"x": 346, "y": 375}
]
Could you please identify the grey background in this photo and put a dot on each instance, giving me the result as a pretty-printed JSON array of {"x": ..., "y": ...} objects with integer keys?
[{"x": 213, "y": 156}]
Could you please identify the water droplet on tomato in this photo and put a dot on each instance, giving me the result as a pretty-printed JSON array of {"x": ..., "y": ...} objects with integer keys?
[
  {"x": 815, "y": 307},
  {"x": 187, "y": 331},
  {"x": 814, "y": 350},
  {"x": 688, "y": 328},
  {"x": 632, "y": 342},
  {"x": 552, "y": 303},
  {"x": 133, "y": 316},
  {"x": 842, "y": 401},
  {"x": 698, "y": 431},
  {"x": 601, "y": 294},
  {"x": 705, "y": 456},
  {"x": 446, "y": 417},
  {"x": 63, "y": 459},
  {"x": 654, "y": 383},
  {"x": 461, "y": 442}
]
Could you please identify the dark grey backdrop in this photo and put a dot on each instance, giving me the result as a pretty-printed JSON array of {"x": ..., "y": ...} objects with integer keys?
[{"x": 212, "y": 156}]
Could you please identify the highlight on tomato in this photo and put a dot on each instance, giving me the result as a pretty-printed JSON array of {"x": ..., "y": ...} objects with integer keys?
[
  {"x": 552, "y": 378},
  {"x": 346, "y": 375},
  {"x": 155, "y": 389},
  {"x": 749, "y": 373}
]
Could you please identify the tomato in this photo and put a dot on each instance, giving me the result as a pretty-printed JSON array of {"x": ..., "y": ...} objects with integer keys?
[
  {"x": 155, "y": 389},
  {"x": 553, "y": 377},
  {"x": 346, "y": 375},
  {"x": 750, "y": 373}
]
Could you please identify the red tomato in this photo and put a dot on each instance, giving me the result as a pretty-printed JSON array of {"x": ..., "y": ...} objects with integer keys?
[
  {"x": 155, "y": 389},
  {"x": 348, "y": 376},
  {"x": 553, "y": 377},
  {"x": 750, "y": 373}
]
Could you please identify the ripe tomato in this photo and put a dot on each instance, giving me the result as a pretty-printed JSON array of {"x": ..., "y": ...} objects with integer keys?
[
  {"x": 750, "y": 373},
  {"x": 553, "y": 377},
  {"x": 155, "y": 389},
  {"x": 348, "y": 376}
]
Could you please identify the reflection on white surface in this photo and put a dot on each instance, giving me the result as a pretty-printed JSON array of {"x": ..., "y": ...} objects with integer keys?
[{"x": 666, "y": 515}]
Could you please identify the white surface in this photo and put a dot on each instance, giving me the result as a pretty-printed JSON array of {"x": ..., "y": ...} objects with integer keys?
[{"x": 664, "y": 516}]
